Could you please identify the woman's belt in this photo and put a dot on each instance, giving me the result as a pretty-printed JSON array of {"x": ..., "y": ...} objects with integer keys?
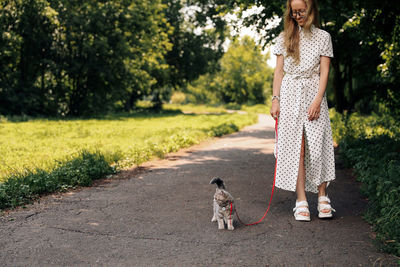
[{"x": 300, "y": 85}]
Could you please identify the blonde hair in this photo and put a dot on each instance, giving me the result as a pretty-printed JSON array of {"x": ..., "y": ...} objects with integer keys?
[{"x": 291, "y": 29}]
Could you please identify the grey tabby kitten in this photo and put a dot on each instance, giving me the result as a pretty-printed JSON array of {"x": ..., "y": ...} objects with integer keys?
[{"x": 222, "y": 205}]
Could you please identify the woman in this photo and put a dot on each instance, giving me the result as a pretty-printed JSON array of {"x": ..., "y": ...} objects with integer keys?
[{"x": 305, "y": 159}]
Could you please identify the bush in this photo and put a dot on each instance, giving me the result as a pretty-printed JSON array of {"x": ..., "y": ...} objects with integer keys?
[
  {"x": 233, "y": 106},
  {"x": 371, "y": 145},
  {"x": 225, "y": 128},
  {"x": 178, "y": 98}
]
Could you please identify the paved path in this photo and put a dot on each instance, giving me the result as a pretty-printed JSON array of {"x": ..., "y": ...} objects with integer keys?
[{"x": 159, "y": 215}]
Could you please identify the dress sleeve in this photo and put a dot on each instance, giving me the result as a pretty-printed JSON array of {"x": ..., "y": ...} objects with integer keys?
[
  {"x": 279, "y": 47},
  {"x": 327, "y": 49}
]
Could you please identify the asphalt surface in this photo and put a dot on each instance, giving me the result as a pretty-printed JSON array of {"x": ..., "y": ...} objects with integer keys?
[{"x": 159, "y": 215}]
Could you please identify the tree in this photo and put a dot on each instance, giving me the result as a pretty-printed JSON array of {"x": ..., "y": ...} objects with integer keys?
[
  {"x": 195, "y": 50},
  {"x": 26, "y": 30},
  {"x": 109, "y": 51},
  {"x": 245, "y": 76},
  {"x": 80, "y": 57},
  {"x": 364, "y": 37},
  {"x": 75, "y": 58}
]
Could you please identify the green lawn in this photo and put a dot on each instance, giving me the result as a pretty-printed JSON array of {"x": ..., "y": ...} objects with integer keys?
[{"x": 124, "y": 140}]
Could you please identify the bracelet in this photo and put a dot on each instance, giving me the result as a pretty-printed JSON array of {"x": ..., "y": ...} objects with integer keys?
[{"x": 275, "y": 96}]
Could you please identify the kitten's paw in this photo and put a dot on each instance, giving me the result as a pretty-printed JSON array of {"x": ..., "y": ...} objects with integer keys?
[
  {"x": 221, "y": 224},
  {"x": 214, "y": 219},
  {"x": 230, "y": 225}
]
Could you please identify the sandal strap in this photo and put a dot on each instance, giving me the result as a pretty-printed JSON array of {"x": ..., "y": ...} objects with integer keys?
[
  {"x": 323, "y": 206},
  {"x": 297, "y": 210},
  {"x": 302, "y": 203},
  {"x": 324, "y": 198},
  {"x": 301, "y": 206}
]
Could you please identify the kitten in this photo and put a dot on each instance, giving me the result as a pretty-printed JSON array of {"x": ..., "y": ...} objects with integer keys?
[{"x": 222, "y": 205}]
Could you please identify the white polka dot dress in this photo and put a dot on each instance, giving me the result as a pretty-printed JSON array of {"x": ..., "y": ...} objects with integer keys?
[{"x": 298, "y": 89}]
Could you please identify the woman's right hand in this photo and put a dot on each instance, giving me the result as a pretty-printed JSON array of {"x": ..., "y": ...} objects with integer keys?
[{"x": 275, "y": 109}]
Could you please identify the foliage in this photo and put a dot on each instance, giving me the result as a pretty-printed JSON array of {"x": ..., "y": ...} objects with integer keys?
[
  {"x": 233, "y": 106},
  {"x": 357, "y": 126},
  {"x": 80, "y": 171},
  {"x": 363, "y": 76},
  {"x": 203, "y": 90},
  {"x": 244, "y": 77},
  {"x": 26, "y": 37},
  {"x": 178, "y": 98},
  {"x": 191, "y": 54},
  {"x": 390, "y": 69},
  {"x": 225, "y": 128},
  {"x": 64, "y": 57},
  {"x": 378, "y": 171},
  {"x": 73, "y": 58}
]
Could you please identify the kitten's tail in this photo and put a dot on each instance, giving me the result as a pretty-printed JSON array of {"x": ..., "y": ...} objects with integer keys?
[{"x": 219, "y": 182}]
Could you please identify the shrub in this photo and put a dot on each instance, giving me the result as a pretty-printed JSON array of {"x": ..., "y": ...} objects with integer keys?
[
  {"x": 225, "y": 128},
  {"x": 371, "y": 145},
  {"x": 178, "y": 98},
  {"x": 233, "y": 106}
]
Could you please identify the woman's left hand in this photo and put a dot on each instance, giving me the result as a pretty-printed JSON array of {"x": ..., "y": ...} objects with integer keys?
[{"x": 314, "y": 110}]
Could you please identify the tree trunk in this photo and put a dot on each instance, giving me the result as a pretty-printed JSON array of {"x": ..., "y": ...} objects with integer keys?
[{"x": 157, "y": 103}]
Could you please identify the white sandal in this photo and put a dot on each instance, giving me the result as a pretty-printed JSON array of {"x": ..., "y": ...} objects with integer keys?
[
  {"x": 324, "y": 206},
  {"x": 301, "y": 206}
]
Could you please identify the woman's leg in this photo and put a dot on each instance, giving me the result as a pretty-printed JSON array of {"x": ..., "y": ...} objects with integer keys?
[
  {"x": 301, "y": 178},
  {"x": 322, "y": 192}
]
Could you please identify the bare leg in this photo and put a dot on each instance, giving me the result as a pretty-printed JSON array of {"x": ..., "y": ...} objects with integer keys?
[
  {"x": 301, "y": 179},
  {"x": 322, "y": 192}
]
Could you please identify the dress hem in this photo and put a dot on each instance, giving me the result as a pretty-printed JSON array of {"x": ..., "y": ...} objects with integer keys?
[{"x": 310, "y": 191}]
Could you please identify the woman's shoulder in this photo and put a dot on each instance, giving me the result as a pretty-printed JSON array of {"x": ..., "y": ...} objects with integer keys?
[
  {"x": 280, "y": 39},
  {"x": 279, "y": 48},
  {"x": 322, "y": 32},
  {"x": 280, "y": 36}
]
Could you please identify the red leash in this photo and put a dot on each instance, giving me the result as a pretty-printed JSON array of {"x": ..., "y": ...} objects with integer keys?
[{"x": 273, "y": 186}]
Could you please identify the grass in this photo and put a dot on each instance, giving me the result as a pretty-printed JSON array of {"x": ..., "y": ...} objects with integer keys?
[
  {"x": 259, "y": 108},
  {"x": 44, "y": 155},
  {"x": 198, "y": 109},
  {"x": 124, "y": 139}
]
